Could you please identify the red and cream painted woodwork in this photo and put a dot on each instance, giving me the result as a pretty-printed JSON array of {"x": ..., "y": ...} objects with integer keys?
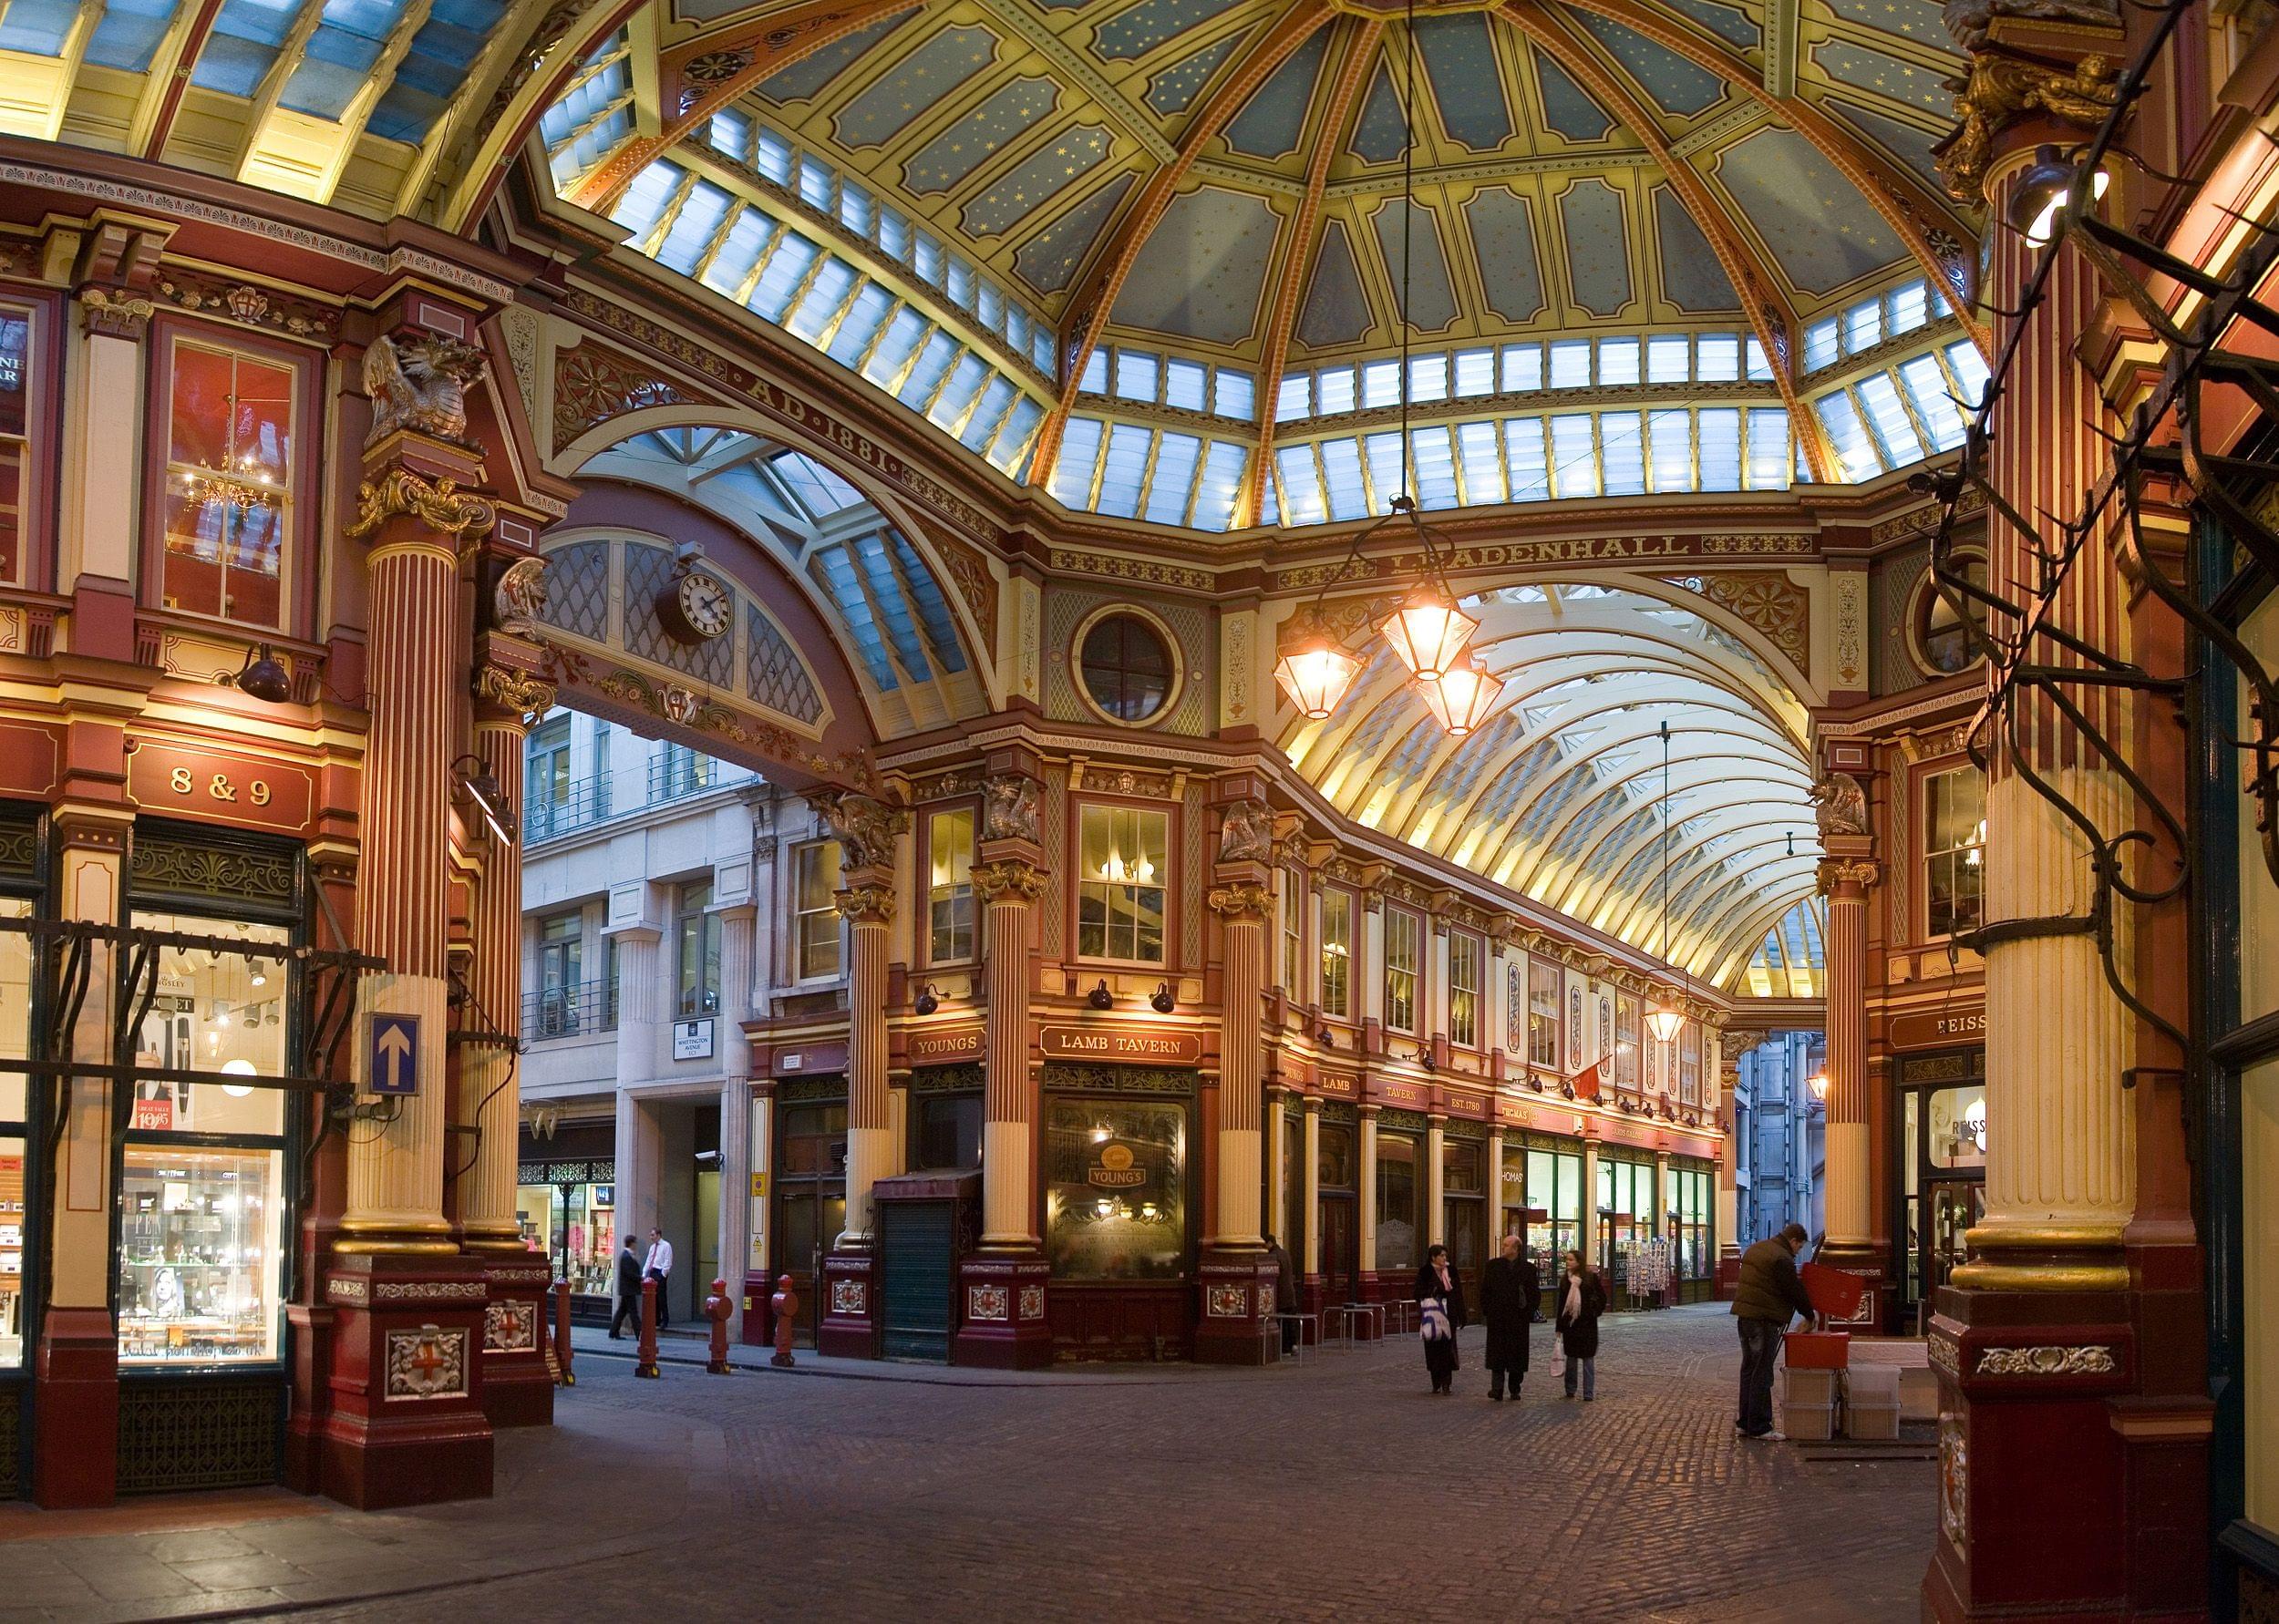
[
  {"x": 1244, "y": 906},
  {"x": 413, "y": 519},
  {"x": 1009, "y": 888},
  {"x": 2069, "y": 1440},
  {"x": 848, "y": 1319},
  {"x": 1845, "y": 878}
]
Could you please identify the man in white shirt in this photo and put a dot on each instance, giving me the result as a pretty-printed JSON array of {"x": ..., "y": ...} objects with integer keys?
[{"x": 658, "y": 1267}]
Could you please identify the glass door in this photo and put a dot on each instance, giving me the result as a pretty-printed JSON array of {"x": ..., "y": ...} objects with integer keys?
[{"x": 810, "y": 1200}]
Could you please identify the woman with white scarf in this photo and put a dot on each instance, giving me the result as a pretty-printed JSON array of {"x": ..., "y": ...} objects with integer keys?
[
  {"x": 1581, "y": 1299},
  {"x": 1439, "y": 1316}
]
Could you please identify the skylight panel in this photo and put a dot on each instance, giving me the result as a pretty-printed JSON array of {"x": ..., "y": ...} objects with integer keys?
[
  {"x": 1173, "y": 482},
  {"x": 854, "y": 207},
  {"x": 1123, "y": 469},
  {"x": 1428, "y": 378},
  {"x": 1219, "y": 483},
  {"x": 1474, "y": 373},
  {"x": 1136, "y": 373},
  {"x": 1571, "y": 363},
  {"x": 860, "y": 325},
  {"x": 1970, "y": 371},
  {"x": 1290, "y": 398},
  {"x": 1481, "y": 461},
  {"x": 1927, "y": 388},
  {"x": 904, "y": 336},
  {"x": 1235, "y": 394},
  {"x": 1670, "y": 439},
  {"x": 821, "y": 492},
  {"x": 959, "y": 283},
  {"x": 1770, "y": 457},
  {"x": 1094, "y": 380},
  {"x": 729, "y": 131},
  {"x": 1523, "y": 454},
  {"x": 1300, "y": 484},
  {"x": 1341, "y": 477},
  {"x": 1910, "y": 307},
  {"x": 1079, "y": 456},
  {"x": 1385, "y": 471},
  {"x": 823, "y": 299},
  {"x": 740, "y": 252},
  {"x": 1185, "y": 385},
  {"x": 1720, "y": 456},
  {"x": 1889, "y": 417},
  {"x": 1717, "y": 358},
  {"x": 644, "y": 202},
  {"x": 1617, "y": 362},
  {"x": 1573, "y": 460},
  {"x": 1863, "y": 326},
  {"x": 1849, "y": 436},
  {"x": 1008, "y": 451},
  {"x": 1435, "y": 466},
  {"x": 788, "y": 267},
  {"x": 1522, "y": 367},
  {"x": 1339, "y": 391},
  {"x": 815, "y": 183},
  {"x": 694, "y": 227},
  {"x": 928, "y": 371},
  {"x": 1759, "y": 368},
  {"x": 1669, "y": 358},
  {"x": 1823, "y": 344},
  {"x": 1380, "y": 384},
  {"x": 1624, "y": 454},
  {"x": 772, "y": 157},
  {"x": 996, "y": 399},
  {"x": 964, "y": 382}
]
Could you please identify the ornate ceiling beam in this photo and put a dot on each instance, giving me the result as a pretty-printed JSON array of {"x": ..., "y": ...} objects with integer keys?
[
  {"x": 1087, "y": 313},
  {"x": 1769, "y": 315},
  {"x": 290, "y": 54},
  {"x": 280, "y": 152},
  {"x": 1639, "y": 914},
  {"x": 532, "y": 81},
  {"x": 695, "y": 79},
  {"x": 1923, "y": 221},
  {"x": 1689, "y": 854},
  {"x": 167, "y": 80},
  {"x": 1336, "y": 122}
]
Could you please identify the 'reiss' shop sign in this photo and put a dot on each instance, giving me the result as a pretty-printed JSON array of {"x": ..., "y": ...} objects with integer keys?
[{"x": 1122, "y": 1045}]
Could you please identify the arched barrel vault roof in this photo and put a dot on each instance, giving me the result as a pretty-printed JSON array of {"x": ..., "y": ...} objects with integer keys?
[
  {"x": 866, "y": 571},
  {"x": 1561, "y": 795}
]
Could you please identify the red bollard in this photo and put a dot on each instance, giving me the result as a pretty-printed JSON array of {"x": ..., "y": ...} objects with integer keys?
[
  {"x": 786, "y": 1303},
  {"x": 564, "y": 1374},
  {"x": 717, "y": 1308},
  {"x": 647, "y": 1367}
]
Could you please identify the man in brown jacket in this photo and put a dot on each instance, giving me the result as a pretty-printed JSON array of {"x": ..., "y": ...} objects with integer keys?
[{"x": 1769, "y": 1293}]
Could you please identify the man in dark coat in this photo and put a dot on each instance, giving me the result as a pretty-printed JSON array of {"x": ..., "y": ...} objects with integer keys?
[
  {"x": 1770, "y": 1292},
  {"x": 1509, "y": 1291},
  {"x": 628, "y": 1289},
  {"x": 1285, "y": 1291}
]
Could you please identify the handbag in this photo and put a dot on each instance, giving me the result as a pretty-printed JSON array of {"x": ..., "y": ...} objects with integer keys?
[{"x": 1432, "y": 1319}]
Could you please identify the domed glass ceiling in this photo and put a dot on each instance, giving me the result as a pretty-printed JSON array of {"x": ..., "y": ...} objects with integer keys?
[{"x": 1159, "y": 238}]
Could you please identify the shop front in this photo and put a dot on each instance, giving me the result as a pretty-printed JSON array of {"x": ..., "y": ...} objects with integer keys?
[
  {"x": 1550, "y": 1210},
  {"x": 1401, "y": 1195},
  {"x": 1337, "y": 1204},
  {"x": 1690, "y": 1226},
  {"x": 1119, "y": 1209},
  {"x": 1627, "y": 1202},
  {"x": 1939, "y": 1174},
  {"x": 1464, "y": 1201},
  {"x": 565, "y": 1205},
  {"x": 808, "y": 1209},
  {"x": 19, "y": 1197}
]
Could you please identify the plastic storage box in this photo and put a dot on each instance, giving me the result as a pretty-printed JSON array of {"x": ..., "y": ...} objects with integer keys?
[
  {"x": 1807, "y": 1387},
  {"x": 1872, "y": 1385},
  {"x": 1872, "y": 1422},
  {"x": 1808, "y": 1424},
  {"x": 1817, "y": 1349}
]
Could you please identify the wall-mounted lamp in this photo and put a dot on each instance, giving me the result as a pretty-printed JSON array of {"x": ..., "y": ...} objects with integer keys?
[
  {"x": 481, "y": 787},
  {"x": 1817, "y": 1083},
  {"x": 2044, "y": 191},
  {"x": 1161, "y": 1001},
  {"x": 1100, "y": 997},
  {"x": 264, "y": 676},
  {"x": 1327, "y": 1038},
  {"x": 927, "y": 1002}
]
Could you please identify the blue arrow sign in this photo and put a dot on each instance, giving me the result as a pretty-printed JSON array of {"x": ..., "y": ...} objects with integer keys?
[{"x": 394, "y": 1054}]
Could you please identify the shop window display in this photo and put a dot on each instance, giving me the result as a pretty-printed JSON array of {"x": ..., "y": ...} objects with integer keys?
[
  {"x": 1115, "y": 1189},
  {"x": 1554, "y": 1190},
  {"x": 202, "y": 1191},
  {"x": 228, "y": 483}
]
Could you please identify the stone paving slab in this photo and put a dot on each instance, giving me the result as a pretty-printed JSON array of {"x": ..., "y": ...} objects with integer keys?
[{"x": 1336, "y": 1490}]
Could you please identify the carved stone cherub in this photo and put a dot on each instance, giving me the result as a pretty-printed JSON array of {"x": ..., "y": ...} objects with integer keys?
[
  {"x": 421, "y": 385},
  {"x": 1841, "y": 806}
]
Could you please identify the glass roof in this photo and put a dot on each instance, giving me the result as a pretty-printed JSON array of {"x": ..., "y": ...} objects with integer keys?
[
  {"x": 1561, "y": 794},
  {"x": 862, "y": 572}
]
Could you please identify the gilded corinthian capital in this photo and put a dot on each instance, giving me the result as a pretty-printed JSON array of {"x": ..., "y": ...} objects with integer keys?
[
  {"x": 442, "y": 507},
  {"x": 865, "y": 904},
  {"x": 1242, "y": 902},
  {"x": 514, "y": 690},
  {"x": 1011, "y": 880},
  {"x": 2002, "y": 90}
]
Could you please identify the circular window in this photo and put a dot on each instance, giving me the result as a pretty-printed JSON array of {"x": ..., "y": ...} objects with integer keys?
[
  {"x": 1944, "y": 642},
  {"x": 1127, "y": 667}
]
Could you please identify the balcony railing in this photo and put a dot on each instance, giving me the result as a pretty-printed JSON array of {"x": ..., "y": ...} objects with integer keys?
[
  {"x": 570, "y": 1012},
  {"x": 672, "y": 776}
]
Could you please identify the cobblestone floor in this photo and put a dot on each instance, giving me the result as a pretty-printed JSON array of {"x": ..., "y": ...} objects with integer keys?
[{"x": 1333, "y": 1490}]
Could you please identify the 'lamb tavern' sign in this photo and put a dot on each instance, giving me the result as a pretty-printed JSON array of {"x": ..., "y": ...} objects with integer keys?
[{"x": 1123, "y": 1045}]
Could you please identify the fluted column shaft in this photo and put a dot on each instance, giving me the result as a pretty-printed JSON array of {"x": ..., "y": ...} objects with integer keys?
[
  {"x": 1310, "y": 1215},
  {"x": 1242, "y": 1101},
  {"x": 490, "y": 1082},
  {"x": 1009, "y": 890},
  {"x": 395, "y": 1184},
  {"x": 867, "y": 903},
  {"x": 1366, "y": 1222},
  {"x": 1850, "y": 1176}
]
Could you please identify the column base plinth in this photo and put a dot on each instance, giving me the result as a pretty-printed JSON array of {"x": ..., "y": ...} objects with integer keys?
[
  {"x": 847, "y": 1328},
  {"x": 1236, "y": 1324},
  {"x": 2068, "y": 1486},
  {"x": 1001, "y": 1305},
  {"x": 517, "y": 1387},
  {"x": 404, "y": 1369},
  {"x": 74, "y": 1387}
]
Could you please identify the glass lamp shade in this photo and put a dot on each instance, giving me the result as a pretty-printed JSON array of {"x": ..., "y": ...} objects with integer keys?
[
  {"x": 1819, "y": 1084},
  {"x": 1664, "y": 1021},
  {"x": 1317, "y": 677},
  {"x": 1459, "y": 702},
  {"x": 1429, "y": 633}
]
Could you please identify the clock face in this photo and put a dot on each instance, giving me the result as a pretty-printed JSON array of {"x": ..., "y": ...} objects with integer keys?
[{"x": 705, "y": 604}]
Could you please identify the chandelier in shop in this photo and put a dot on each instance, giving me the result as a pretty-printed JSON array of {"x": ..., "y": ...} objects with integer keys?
[{"x": 1427, "y": 630}]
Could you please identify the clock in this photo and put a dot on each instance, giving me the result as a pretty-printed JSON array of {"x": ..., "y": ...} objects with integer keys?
[{"x": 697, "y": 608}]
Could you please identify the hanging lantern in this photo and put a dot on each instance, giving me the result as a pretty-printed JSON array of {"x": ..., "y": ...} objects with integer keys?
[
  {"x": 1664, "y": 1019},
  {"x": 1429, "y": 631},
  {"x": 1316, "y": 675},
  {"x": 1459, "y": 702}
]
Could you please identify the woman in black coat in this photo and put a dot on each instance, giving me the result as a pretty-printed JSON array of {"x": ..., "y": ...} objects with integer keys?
[
  {"x": 1581, "y": 1299},
  {"x": 1438, "y": 1281}
]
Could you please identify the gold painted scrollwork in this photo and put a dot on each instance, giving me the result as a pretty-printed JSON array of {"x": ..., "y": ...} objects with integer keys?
[
  {"x": 1242, "y": 902},
  {"x": 514, "y": 689},
  {"x": 1020, "y": 882},
  {"x": 441, "y": 507},
  {"x": 865, "y": 904},
  {"x": 2000, "y": 90}
]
